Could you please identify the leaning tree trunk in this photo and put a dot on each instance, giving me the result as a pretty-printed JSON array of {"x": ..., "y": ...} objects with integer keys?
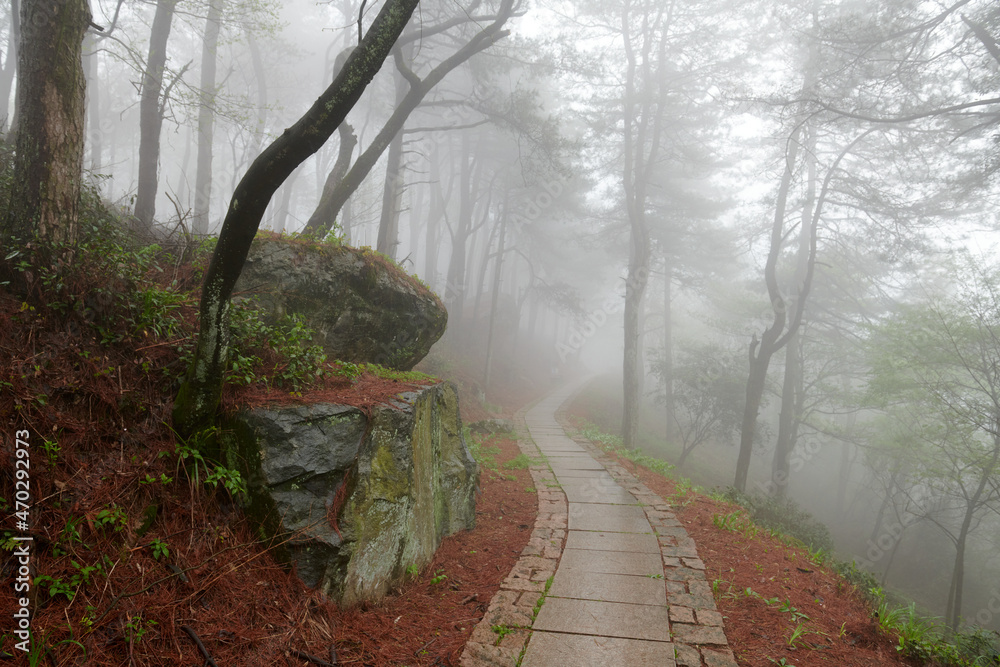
[
  {"x": 48, "y": 164},
  {"x": 199, "y": 395},
  {"x": 329, "y": 207},
  {"x": 206, "y": 118},
  {"x": 151, "y": 114}
]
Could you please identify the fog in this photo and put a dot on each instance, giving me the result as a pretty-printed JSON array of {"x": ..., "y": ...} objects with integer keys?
[{"x": 768, "y": 230}]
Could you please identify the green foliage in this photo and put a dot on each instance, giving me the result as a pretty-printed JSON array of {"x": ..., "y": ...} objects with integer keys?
[
  {"x": 614, "y": 444},
  {"x": 294, "y": 363},
  {"x": 110, "y": 281},
  {"x": 782, "y": 515},
  {"x": 160, "y": 549},
  {"x": 111, "y": 517},
  {"x": 136, "y": 627},
  {"x": 522, "y": 462},
  {"x": 709, "y": 389},
  {"x": 862, "y": 580},
  {"x": 412, "y": 377},
  {"x": 928, "y": 640},
  {"x": 51, "y": 450},
  {"x": 190, "y": 454},
  {"x": 482, "y": 449},
  {"x": 735, "y": 522},
  {"x": 69, "y": 587},
  {"x": 163, "y": 479}
]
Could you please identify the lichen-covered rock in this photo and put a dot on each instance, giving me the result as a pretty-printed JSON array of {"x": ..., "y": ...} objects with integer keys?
[
  {"x": 358, "y": 499},
  {"x": 362, "y": 307}
]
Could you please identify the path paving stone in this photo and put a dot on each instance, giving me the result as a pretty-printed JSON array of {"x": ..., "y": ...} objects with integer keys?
[
  {"x": 606, "y": 619},
  {"x": 590, "y": 493},
  {"x": 615, "y": 542},
  {"x": 619, "y": 593},
  {"x": 614, "y": 562},
  {"x": 549, "y": 648},
  {"x": 635, "y": 589}
]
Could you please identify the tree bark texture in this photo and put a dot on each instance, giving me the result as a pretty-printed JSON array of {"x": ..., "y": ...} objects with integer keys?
[
  {"x": 200, "y": 393},
  {"x": 48, "y": 164},
  {"x": 206, "y": 118},
  {"x": 151, "y": 114}
]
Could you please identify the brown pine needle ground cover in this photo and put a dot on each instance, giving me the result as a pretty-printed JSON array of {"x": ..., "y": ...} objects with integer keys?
[
  {"x": 430, "y": 619},
  {"x": 134, "y": 563},
  {"x": 778, "y": 605}
]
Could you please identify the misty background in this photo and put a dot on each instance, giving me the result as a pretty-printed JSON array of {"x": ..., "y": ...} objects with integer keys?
[{"x": 644, "y": 191}]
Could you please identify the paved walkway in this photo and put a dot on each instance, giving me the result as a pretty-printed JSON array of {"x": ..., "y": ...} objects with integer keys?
[{"x": 627, "y": 587}]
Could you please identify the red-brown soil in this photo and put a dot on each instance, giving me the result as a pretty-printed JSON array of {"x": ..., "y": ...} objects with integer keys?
[
  {"x": 97, "y": 416},
  {"x": 747, "y": 569},
  {"x": 428, "y": 623}
]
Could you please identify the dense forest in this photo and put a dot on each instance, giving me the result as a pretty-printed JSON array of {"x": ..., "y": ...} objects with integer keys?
[{"x": 767, "y": 228}]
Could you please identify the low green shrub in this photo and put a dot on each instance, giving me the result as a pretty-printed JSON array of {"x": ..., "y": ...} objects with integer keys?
[{"x": 784, "y": 516}]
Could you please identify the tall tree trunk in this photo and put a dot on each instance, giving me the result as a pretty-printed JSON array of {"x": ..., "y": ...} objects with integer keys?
[
  {"x": 95, "y": 135},
  {"x": 151, "y": 114},
  {"x": 642, "y": 127},
  {"x": 434, "y": 215},
  {"x": 284, "y": 205},
  {"x": 48, "y": 164},
  {"x": 844, "y": 470},
  {"x": 791, "y": 398},
  {"x": 200, "y": 393},
  {"x": 416, "y": 205},
  {"x": 484, "y": 265},
  {"x": 495, "y": 293},
  {"x": 206, "y": 117},
  {"x": 260, "y": 80},
  {"x": 953, "y": 609},
  {"x": 395, "y": 171},
  {"x": 668, "y": 351},
  {"x": 455, "y": 288},
  {"x": 10, "y": 64}
]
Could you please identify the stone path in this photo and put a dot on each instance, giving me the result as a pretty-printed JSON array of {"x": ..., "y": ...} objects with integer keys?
[{"x": 627, "y": 586}]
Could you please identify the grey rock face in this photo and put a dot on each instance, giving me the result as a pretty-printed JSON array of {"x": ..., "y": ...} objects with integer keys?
[
  {"x": 359, "y": 500},
  {"x": 362, "y": 307}
]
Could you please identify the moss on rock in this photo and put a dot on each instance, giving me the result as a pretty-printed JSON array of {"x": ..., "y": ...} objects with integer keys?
[{"x": 358, "y": 500}]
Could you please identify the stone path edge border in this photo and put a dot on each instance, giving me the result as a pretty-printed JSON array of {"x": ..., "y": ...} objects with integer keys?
[
  {"x": 513, "y": 607},
  {"x": 696, "y": 625}
]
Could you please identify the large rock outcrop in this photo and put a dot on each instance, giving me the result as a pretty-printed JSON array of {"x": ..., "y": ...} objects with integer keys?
[
  {"x": 359, "y": 499},
  {"x": 361, "y": 306}
]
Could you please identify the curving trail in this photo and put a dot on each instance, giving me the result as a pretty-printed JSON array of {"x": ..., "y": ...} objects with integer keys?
[{"x": 627, "y": 585}]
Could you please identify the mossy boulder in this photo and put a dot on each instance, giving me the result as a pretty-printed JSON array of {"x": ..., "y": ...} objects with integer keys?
[
  {"x": 361, "y": 306},
  {"x": 358, "y": 499}
]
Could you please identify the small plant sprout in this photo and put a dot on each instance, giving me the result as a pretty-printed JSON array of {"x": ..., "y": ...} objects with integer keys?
[{"x": 159, "y": 548}]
